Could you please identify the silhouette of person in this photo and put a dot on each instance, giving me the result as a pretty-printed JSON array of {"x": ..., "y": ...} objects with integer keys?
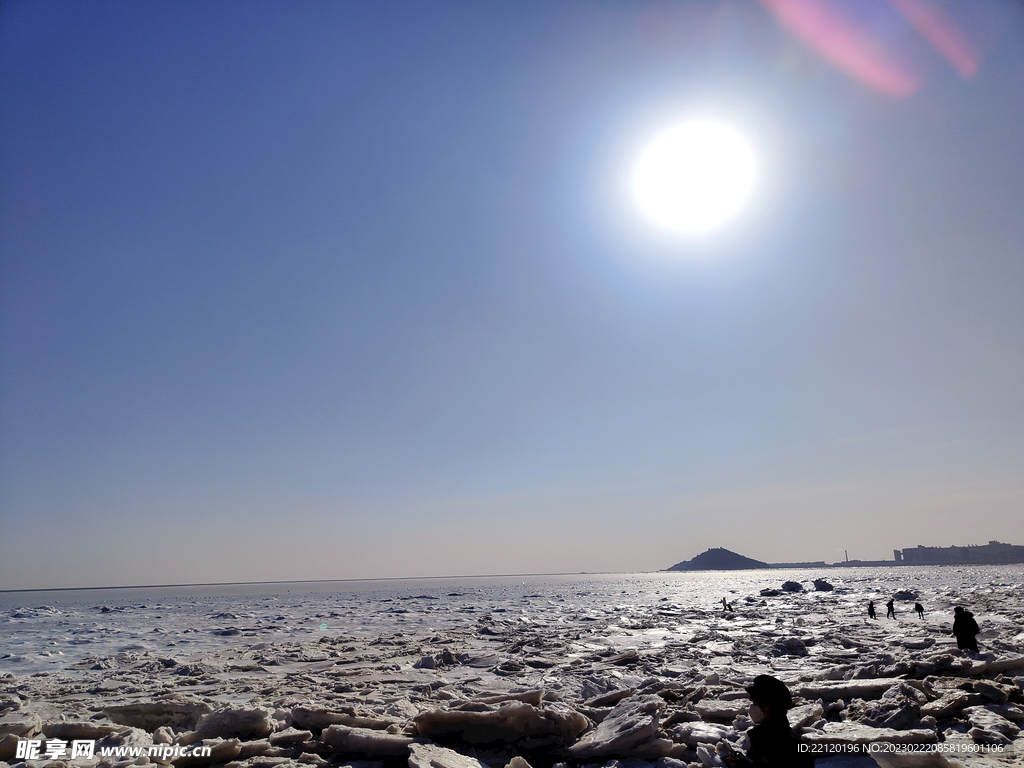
[
  {"x": 890, "y": 609},
  {"x": 966, "y": 629},
  {"x": 919, "y": 609},
  {"x": 871, "y": 610},
  {"x": 772, "y": 743}
]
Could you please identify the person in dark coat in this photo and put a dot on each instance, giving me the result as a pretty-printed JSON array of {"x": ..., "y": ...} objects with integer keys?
[
  {"x": 919, "y": 610},
  {"x": 966, "y": 629},
  {"x": 772, "y": 743},
  {"x": 871, "y": 610},
  {"x": 890, "y": 609}
]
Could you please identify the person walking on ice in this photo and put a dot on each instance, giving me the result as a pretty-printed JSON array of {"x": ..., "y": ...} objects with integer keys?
[
  {"x": 773, "y": 744},
  {"x": 966, "y": 629},
  {"x": 890, "y": 609}
]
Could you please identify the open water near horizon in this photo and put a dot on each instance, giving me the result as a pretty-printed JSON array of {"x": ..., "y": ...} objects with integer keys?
[{"x": 56, "y": 629}]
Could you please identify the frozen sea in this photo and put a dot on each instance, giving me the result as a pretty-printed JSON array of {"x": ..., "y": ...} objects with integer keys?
[{"x": 55, "y": 630}]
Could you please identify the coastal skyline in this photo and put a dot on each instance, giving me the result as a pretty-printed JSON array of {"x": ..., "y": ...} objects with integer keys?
[
  {"x": 324, "y": 291},
  {"x": 714, "y": 559}
]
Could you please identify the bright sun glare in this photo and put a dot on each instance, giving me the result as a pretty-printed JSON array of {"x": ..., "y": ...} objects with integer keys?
[{"x": 695, "y": 176}]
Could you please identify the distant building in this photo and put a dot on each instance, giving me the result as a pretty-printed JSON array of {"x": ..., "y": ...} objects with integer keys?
[{"x": 985, "y": 554}]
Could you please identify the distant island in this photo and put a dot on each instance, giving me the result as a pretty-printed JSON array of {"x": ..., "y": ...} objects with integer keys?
[
  {"x": 718, "y": 559},
  {"x": 993, "y": 553}
]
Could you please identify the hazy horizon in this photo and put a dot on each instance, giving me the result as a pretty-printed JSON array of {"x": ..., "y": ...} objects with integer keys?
[
  {"x": 312, "y": 291},
  {"x": 784, "y": 567}
]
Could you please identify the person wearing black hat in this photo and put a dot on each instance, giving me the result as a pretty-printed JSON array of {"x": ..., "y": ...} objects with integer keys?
[
  {"x": 772, "y": 743},
  {"x": 966, "y": 629}
]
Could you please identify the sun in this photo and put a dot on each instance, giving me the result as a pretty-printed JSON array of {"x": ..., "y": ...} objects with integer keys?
[{"x": 695, "y": 176}]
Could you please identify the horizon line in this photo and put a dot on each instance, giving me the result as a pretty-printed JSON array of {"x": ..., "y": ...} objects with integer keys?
[
  {"x": 313, "y": 581},
  {"x": 782, "y": 566},
  {"x": 796, "y": 565}
]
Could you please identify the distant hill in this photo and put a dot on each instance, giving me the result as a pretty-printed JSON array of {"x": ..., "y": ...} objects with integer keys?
[{"x": 718, "y": 559}]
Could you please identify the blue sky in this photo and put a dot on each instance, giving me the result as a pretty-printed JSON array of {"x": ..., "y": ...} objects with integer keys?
[{"x": 335, "y": 290}]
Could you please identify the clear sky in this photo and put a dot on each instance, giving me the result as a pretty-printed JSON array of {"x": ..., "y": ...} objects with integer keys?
[{"x": 306, "y": 290}]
